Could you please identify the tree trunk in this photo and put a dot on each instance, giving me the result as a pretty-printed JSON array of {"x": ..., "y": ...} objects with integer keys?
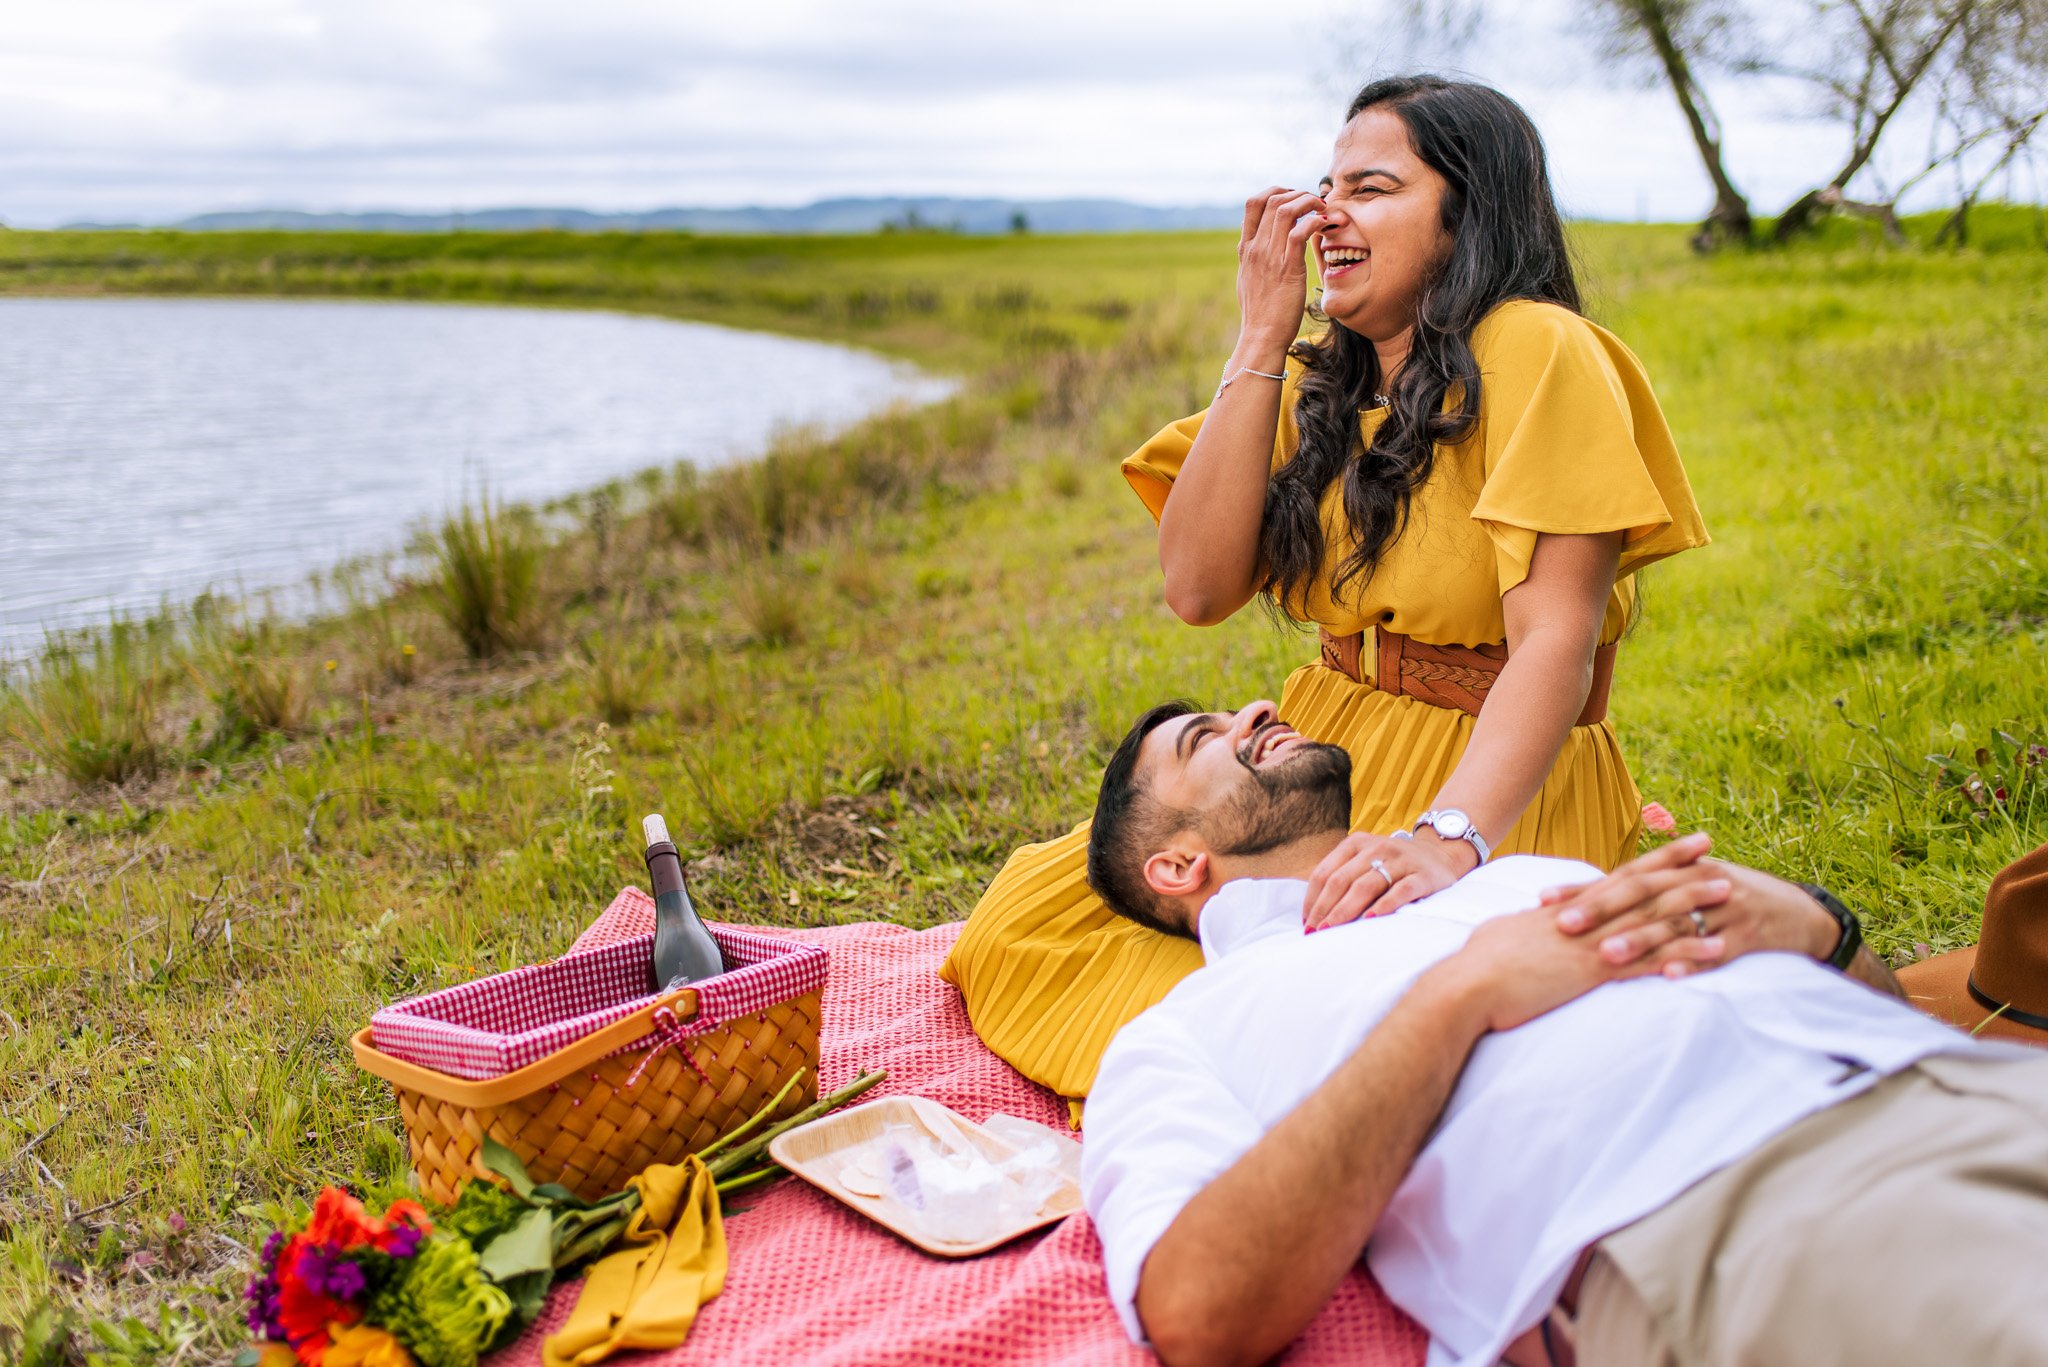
[
  {"x": 1799, "y": 216},
  {"x": 1956, "y": 225},
  {"x": 1729, "y": 221}
]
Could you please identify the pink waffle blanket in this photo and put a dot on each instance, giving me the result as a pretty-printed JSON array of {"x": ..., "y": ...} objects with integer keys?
[{"x": 812, "y": 1282}]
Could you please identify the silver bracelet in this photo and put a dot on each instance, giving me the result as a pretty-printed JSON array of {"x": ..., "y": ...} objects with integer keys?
[{"x": 1230, "y": 377}]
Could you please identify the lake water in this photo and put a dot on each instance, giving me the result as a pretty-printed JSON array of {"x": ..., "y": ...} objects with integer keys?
[{"x": 151, "y": 449}]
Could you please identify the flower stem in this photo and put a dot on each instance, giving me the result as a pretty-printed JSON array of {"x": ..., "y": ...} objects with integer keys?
[
  {"x": 735, "y": 1160},
  {"x": 732, "y": 1184},
  {"x": 757, "y": 1118}
]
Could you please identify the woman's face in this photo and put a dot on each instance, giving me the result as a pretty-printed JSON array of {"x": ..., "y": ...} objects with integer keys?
[{"x": 1383, "y": 228}]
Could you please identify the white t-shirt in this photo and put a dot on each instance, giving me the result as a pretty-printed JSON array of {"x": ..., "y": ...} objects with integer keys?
[{"x": 1559, "y": 1132}]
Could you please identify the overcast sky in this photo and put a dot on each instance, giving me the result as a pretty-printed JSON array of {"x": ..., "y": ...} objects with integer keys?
[{"x": 149, "y": 110}]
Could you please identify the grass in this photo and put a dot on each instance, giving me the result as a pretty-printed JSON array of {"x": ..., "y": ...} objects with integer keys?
[
  {"x": 89, "y": 711},
  {"x": 620, "y": 680},
  {"x": 977, "y": 617},
  {"x": 487, "y": 565},
  {"x": 252, "y": 676},
  {"x": 772, "y": 604}
]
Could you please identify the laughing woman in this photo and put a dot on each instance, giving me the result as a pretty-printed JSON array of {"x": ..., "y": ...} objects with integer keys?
[{"x": 1456, "y": 482}]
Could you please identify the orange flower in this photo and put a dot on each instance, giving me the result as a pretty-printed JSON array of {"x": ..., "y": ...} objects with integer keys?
[
  {"x": 339, "y": 1220},
  {"x": 364, "y": 1345}
]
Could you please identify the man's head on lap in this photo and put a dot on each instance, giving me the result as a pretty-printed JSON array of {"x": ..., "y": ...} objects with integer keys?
[{"x": 1192, "y": 799}]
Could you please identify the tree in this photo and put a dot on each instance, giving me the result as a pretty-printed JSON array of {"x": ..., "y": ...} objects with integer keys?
[
  {"x": 1669, "y": 41},
  {"x": 1867, "y": 58},
  {"x": 1677, "y": 38},
  {"x": 1993, "y": 95},
  {"x": 1979, "y": 67},
  {"x": 1981, "y": 64}
]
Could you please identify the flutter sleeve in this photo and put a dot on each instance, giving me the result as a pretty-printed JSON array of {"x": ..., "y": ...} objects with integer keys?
[
  {"x": 1574, "y": 443},
  {"x": 1152, "y": 468}
]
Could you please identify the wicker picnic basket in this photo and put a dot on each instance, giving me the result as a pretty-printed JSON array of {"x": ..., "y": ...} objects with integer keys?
[{"x": 588, "y": 1079}]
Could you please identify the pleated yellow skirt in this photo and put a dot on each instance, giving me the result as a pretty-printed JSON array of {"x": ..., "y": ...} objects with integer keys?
[{"x": 1050, "y": 974}]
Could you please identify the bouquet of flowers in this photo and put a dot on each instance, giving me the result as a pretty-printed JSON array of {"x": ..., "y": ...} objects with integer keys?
[
  {"x": 418, "y": 1288},
  {"x": 356, "y": 1290}
]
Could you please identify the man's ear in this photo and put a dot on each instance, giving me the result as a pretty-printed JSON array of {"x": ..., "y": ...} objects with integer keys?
[{"x": 1179, "y": 870}]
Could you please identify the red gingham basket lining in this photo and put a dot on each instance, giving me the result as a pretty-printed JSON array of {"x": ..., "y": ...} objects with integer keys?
[{"x": 497, "y": 1025}]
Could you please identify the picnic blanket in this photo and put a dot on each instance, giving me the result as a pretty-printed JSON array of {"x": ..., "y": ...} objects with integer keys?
[{"x": 812, "y": 1282}]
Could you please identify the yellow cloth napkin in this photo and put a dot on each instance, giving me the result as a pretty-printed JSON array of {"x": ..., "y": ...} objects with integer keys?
[{"x": 670, "y": 1262}]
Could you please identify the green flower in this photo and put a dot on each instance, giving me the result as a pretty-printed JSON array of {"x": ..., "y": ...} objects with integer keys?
[
  {"x": 482, "y": 1210},
  {"x": 442, "y": 1308}
]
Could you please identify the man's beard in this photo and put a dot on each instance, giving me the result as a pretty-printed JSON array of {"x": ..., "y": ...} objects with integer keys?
[{"x": 1308, "y": 794}]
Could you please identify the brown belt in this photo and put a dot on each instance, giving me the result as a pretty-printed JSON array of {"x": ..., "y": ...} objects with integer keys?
[{"x": 1448, "y": 676}]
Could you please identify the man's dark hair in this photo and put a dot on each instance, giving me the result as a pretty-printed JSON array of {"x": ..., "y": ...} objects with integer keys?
[{"x": 1129, "y": 827}]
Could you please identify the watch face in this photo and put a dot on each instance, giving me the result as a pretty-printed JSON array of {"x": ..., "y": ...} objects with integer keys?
[{"x": 1451, "y": 825}]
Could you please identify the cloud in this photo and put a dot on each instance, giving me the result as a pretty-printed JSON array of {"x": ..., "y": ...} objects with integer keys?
[{"x": 137, "y": 109}]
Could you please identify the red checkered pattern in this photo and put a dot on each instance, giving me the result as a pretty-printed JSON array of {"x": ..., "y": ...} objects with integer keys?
[{"x": 493, "y": 1026}]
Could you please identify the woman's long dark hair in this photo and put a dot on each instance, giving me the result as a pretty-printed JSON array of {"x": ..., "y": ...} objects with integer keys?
[{"x": 1507, "y": 242}]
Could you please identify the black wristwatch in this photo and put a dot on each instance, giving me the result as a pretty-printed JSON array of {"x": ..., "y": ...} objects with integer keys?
[{"x": 1852, "y": 929}]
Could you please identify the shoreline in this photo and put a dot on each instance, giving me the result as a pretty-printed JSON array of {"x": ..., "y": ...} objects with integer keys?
[{"x": 299, "y": 597}]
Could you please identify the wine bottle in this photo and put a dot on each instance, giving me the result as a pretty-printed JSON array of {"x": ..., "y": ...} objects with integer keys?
[{"x": 684, "y": 951}]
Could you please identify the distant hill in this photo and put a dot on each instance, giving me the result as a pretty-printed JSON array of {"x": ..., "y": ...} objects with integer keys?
[{"x": 826, "y": 216}]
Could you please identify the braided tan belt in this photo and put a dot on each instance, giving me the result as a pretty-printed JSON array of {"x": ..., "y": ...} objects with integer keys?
[{"x": 1448, "y": 676}]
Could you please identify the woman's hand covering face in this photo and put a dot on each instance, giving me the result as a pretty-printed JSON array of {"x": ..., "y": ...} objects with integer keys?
[{"x": 1272, "y": 263}]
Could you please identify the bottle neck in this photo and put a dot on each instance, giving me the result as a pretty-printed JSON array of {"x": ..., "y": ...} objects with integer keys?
[{"x": 664, "y": 869}]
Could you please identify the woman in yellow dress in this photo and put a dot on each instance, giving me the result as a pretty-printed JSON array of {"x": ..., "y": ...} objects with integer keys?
[{"x": 1456, "y": 482}]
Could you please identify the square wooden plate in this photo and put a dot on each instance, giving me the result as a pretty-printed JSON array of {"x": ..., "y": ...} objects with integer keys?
[{"x": 816, "y": 1152}]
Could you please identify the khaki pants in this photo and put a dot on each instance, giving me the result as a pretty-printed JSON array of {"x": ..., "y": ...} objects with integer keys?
[{"x": 1906, "y": 1226}]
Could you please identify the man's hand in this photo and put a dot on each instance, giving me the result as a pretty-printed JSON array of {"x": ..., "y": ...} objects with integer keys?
[
  {"x": 1649, "y": 903},
  {"x": 1516, "y": 968}
]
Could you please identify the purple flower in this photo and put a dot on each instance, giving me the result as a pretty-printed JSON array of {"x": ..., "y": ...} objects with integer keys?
[
  {"x": 327, "y": 1271},
  {"x": 404, "y": 1241},
  {"x": 263, "y": 1294}
]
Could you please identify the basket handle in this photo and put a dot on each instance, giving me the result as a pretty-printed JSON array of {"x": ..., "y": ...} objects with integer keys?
[
  {"x": 682, "y": 1004},
  {"x": 497, "y": 1091}
]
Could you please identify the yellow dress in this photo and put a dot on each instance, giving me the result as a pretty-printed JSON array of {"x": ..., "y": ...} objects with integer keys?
[{"x": 1570, "y": 440}]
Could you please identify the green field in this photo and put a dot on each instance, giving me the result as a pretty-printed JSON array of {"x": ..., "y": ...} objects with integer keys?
[{"x": 856, "y": 674}]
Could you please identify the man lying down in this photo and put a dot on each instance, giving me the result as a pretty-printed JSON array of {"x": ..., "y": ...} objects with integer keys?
[{"x": 1546, "y": 1156}]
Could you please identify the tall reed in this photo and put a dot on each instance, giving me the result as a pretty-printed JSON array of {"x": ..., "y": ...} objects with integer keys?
[
  {"x": 771, "y": 603},
  {"x": 487, "y": 578},
  {"x": 255, "y": 682},
  {"x": 88, "y": 709},
  {"x": 620, "y": 679}
]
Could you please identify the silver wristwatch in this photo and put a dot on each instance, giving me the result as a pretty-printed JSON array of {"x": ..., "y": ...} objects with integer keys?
[{"x": 1452, "y": 824}]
